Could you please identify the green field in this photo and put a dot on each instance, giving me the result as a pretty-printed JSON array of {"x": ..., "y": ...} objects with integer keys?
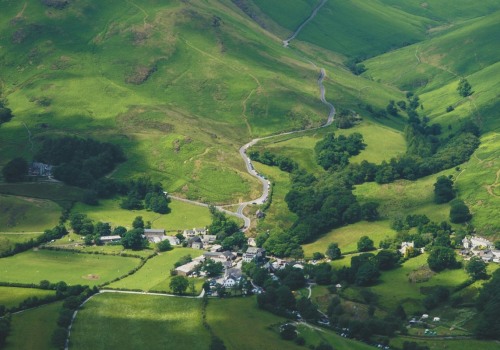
[
  {"x": 12, "y": 296},
  {"x": 72, "y": 268},
  {"x": 348, "y": 236},
  {"x": 32, "y": 329},
  {"x": 458, "y": 344},
  {"x": 155, "y": 274},
  {"x": 21, "y": 214},
  {"x": 151, "y": 322},
  {"x": 182, "y": 216},
  {"x": 395, "y": 286},
  {"x": 8, "y": 240}
]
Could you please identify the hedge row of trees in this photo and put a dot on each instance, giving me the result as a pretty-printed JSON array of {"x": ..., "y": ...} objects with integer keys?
[{"x": 271, "y": 159}]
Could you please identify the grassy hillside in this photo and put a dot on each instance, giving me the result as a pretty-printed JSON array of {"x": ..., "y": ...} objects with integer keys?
[{"x": 21, "y": 214}]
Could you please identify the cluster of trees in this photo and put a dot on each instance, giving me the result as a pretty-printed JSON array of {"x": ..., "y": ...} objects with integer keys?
[
  {"x": 355, "y": 65},
  {"x": 5, "y": 113},
  {"x": 79, "y": 162},
  {"x": 459, "y": 212},
  {"x": 345, "y": 119},
  {"x": 334, "y": 153},
  {"x": 226, "y": 230},
  {"x": 271, "y": 159},
  {"x": 5, "y": 318},
  {"x": 464, "y": 88},
  {"x": 321, "y": 207},
  {"x": 143, "y": 189},
  {"x": 15, "y": 170},
  {"x": 488, "y": 306}
]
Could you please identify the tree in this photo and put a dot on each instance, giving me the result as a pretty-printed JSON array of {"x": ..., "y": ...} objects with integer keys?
[
  {"x": 217, "y": 343},
  {"x": 5, "y": 114},
  {"x": 179, "y": 284},
  {"x": 476, "y": 268},
  {"x": 367, "y": 274},
  {"x": 464, "y": 88},
  {"x": 102, "y": 229},
  {"x": 369, "y": 211},
  {"x": 443, "y": 190},
  {"x": 138, "y": 222},
  {"x": 76, "y": 221},
  {"x": 333, "y": 251},
  {"x": 15, "y": 170},
  {"x": 212, "y": 268},
  {"x": 441, "y": 258},
  {"x": 365, "y": 244},
  {"x": 318, "y": 256},
  {"x": 459, "y": 212},
  {"x": 134, "y": 239},
  {"x": 119, "y": 231},
  {"x": 288, "y": 331},
  {"x": 164, "y": 246},
  {"x": 387, "y": 259}
]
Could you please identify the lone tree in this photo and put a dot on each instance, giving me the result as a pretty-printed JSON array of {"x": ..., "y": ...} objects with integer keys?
[
  {"x": 476, "y": 268},
  {"x": 443, "y": 190},
  {"x": 464, "y": 88},
  {"x": 442, "y": 258},
  {"x": 15, "y": 170},
  {"x": 179, "y": 284},
  {"x": 164, "y": 246},
  {"x": 134, "y": 239},
  {"x": 365, "y": 244},
  {"x": 459, "y": 212},
  {"x": 333, "y": 251}
]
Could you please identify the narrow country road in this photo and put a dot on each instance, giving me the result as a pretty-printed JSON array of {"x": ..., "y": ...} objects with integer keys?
[
  {"x": 297, "y": 31},
  {"x": 266, "y": 184}
]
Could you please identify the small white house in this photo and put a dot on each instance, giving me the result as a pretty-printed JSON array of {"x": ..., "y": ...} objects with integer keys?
[{"x": 436, "y": 319}]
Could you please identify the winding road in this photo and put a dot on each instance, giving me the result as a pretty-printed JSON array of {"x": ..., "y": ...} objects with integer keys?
[{"x": 266, "y": 184}]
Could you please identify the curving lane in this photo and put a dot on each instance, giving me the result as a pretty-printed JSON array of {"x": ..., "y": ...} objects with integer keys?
[{"x": 266, "y": 184}]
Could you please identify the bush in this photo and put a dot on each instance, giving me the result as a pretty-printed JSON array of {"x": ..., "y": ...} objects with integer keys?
[{"x": 459, "y": 212}]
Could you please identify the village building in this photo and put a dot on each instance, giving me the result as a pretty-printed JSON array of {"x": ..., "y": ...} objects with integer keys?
[
  {"x": 232, "y": 277},
  {"x": 252, "y": 242},
  {"x": 40, "y": 169},
  {"x": 154, "y": 235},
  {"x": 254, "y": 253},
  {"x": 405, "y": 246},
  {"x": 172, "y": 239},
  {"x": 200, "y": 231},
  {"x": 216, "y": 248},
  {"x": 190, "y": 267},
  {"x": 189, "y": 233},
  {"x": 260, "y": 214},
  {"x": 208, "y": 239},
  {"x": 110, "y": 239},
  {"x": 215, "y": 256},
  {"x": 195, "y": 242}
]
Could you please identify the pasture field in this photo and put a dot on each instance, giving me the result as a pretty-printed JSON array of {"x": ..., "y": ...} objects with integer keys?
[
  {"x": 382, "y": 144},
  {"x": 21, "y": 214},
  {"x": 8, "y": 240},
  {"x": 32, "y": 329},
  {"x": 72, "y": 268},
  {"x": 155, "y": 274},
  {"x": 404, "y": 197},
  {"x": 348, "y": 236},
  {"x": 182, "y": 216},
  {"x": 395, "y": 285},
  {"x": 151, "y": 322},
  {"x": 13, "y": 296}
]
